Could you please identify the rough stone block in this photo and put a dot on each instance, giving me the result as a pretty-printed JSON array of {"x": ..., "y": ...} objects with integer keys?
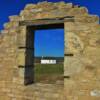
[{"x": 14, "y": 18}]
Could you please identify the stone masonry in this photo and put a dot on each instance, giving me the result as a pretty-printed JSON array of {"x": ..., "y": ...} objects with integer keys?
[{"x": 81, "y": 60}]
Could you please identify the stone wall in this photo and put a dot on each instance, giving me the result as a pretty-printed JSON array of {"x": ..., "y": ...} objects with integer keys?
[
  {"x": 83, "y": 67},
  {"x": 81, "y": 61}
]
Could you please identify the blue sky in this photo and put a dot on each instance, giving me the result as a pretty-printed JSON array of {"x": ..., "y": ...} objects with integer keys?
[{"x": 51, "y": 42}]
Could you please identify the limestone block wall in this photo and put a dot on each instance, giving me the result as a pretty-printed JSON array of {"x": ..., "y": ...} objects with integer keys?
[
  {"x": 81, "y": 61},
  {"x": 8, "y": 64},
  {"x": 83, "y": 67}
]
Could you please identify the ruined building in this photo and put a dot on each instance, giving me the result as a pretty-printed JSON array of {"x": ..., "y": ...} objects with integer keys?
[{"x": 81, "y": 58}]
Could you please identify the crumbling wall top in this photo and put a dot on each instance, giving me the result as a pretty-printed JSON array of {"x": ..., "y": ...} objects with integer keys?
[{"x": 49, "y": 10}]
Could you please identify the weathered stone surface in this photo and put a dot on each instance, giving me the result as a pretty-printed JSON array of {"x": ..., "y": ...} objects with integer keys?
[
  {"x": 11, "y": 25},
  {"x": 81, "y": 61},
  {"x": 87, "y": 18},
  {"x": 14, "y": 18}
]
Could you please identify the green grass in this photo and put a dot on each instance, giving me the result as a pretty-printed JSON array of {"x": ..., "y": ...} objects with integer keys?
[
  {"x": 49, "y": 69},
  {"x": 48, "y": 72}
]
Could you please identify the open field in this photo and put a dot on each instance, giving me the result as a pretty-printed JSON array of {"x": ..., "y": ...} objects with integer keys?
[{"x": 48, "y": 73}]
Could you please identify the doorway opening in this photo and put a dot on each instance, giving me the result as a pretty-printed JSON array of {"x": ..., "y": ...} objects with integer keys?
[{"x": 48, "y": 53}]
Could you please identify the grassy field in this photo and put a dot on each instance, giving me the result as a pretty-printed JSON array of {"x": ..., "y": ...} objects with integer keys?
[{"x": 48, "y": 73}]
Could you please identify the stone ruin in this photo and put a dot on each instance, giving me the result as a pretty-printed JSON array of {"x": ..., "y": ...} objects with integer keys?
[{"x": 81, "y": 58}]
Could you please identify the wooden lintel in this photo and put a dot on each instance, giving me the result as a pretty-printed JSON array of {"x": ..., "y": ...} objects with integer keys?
[{"x": 46, "y": 21}]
